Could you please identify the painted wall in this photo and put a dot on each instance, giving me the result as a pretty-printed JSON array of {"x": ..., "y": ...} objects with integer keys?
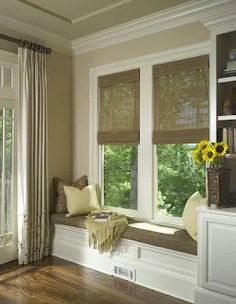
[
  {"x": 165, "y": 40},
  {"x": 59, "y": 69}
]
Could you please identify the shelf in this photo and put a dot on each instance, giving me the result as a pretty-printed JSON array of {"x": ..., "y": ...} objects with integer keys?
[
  {"x": 226, "y": 117},
  {"x": 232, "y": 155},
  {"x": 227, "y": 79}
]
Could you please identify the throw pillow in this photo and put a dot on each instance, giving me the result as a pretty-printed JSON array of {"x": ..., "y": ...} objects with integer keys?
[
  {"x": 81, "y": 182},
  {"x": 190, "y": 213},
  {"x": 61, "y": 203},
  {"x": 81, "y": 202}
]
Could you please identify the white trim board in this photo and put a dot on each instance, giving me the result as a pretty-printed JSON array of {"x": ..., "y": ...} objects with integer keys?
[{"x": 160, "y": 269}]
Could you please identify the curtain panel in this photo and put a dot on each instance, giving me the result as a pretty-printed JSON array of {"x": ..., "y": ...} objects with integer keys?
[
  {"x": 119, "y": 108},
  {"x": 181, "y": 101},
  {"x": 33, "y": 207}
]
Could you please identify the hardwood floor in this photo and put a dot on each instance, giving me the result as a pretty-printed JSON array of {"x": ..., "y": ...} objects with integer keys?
[{"x": 58, "y": 281}]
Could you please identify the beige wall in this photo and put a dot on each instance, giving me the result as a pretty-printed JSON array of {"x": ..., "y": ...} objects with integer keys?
[
  {"x": 59, "y": 68},
  {"x": 169, "y": 39},
  {"x": 59, "y": 113}
]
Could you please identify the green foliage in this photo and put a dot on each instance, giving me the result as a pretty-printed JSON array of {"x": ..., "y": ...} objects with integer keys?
[
  {"x": 120, "y": 176},
  {"x": 178, "y": 177}
]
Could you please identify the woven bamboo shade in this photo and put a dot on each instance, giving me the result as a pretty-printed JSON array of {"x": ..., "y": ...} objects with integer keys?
[
  {"x": 181, "y": 101},
  {"x": 119, "y": 108}
]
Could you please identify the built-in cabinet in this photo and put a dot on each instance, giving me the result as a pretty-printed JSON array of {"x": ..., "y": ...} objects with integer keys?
[
  {"x": 226, "y": 88},
  {"x": 216, "y": 283},
  {"x": 216, "y": 275}
]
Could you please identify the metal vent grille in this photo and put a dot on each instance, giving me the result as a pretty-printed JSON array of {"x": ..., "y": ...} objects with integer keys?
[{"x": 124, "y": 273}]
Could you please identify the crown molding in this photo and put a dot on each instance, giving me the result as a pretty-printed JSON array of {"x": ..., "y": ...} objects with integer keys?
[
  {"x": 182, "y": 14},
  {"x": 22, "y": 29},
  {"x": 226, "y": 22}
]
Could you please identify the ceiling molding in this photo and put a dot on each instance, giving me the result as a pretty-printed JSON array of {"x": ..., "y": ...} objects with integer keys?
[
  {"x": 182, "y": 14},
  {"x": 221, "y": 24},
  {"x": 75, "y": 20},
  {"x": 100, "y": 11},
  {"x": 54, "y": 41},
  {"x": 46, "y": 11}
]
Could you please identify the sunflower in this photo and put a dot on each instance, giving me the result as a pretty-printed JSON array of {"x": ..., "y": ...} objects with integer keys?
[
  {"x": 197, "y": 156},
  {"x": 209, "y": 154},
  {"x": 220, "y": 148},
  {"x": 203, "y": 144}
]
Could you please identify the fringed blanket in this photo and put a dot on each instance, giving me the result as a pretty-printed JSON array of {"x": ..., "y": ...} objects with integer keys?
[{"x": 104, "y": 236}]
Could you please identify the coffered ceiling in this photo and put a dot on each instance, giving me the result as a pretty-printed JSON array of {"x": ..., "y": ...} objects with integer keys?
[{"x": 72, "y": 19}]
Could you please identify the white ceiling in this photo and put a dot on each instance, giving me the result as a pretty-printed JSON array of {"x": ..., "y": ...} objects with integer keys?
[{"x": 73, "y": 19}]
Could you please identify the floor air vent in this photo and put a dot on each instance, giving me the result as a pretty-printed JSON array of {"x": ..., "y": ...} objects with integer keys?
[{"x": 124, "y": 273}]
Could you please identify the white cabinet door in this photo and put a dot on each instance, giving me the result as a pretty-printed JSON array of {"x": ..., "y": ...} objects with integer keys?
[{"x": 217, "y": 252}]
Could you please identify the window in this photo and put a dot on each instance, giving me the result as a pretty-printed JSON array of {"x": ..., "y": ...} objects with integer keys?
[
  {"x": 180, "y": 119},
  {"x": 119, "y": 135},
  {"x": 147, "y": 122},
  {"x": 177, "y": 178},
  {"x": 120, "y": 176}
]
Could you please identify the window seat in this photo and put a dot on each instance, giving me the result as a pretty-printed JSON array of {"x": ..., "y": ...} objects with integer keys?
[{"x": 160, "y": 236}]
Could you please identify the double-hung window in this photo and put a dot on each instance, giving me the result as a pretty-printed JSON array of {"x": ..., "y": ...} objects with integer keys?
[
  {"x": 180, "y": 121},
  {"x": 118, "y": 136},
  {"x": 149, "y": 121}
]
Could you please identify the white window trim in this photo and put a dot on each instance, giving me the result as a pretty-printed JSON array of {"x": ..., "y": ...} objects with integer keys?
[{"x": 146, "y": 188}]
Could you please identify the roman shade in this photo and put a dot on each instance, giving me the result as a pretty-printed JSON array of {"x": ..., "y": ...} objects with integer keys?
[
  {"x": 181, "y": 101},
  {"x": 119, "y": 108}
]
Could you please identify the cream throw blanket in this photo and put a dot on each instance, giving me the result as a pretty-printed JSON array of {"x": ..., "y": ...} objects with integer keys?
[{"x": 104, "y": 236}]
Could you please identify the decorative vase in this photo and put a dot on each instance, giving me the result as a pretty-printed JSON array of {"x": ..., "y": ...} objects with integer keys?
[{"x": 218, "y": 180}]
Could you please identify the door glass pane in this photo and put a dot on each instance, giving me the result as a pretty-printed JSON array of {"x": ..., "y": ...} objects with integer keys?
[
  {"x": 1, "y": 154},
  {"x": 7, "y": 77},
  {"x": 6, "y": 181},
  {"x": 8, "y": 174}
]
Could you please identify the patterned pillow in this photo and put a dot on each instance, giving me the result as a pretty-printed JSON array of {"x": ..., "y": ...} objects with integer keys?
[
  {"x": 61, "y": 203},
  {"x": 81, "y": 182}
]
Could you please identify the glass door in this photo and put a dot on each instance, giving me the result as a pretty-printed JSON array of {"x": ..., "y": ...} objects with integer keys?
[{"x": 8, "y": 198}]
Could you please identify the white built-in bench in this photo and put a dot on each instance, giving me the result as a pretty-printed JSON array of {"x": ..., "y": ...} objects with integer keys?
[{"x": 158, "y": 257}]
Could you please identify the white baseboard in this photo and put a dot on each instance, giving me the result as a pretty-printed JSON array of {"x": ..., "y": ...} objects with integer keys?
[
  {"x": 160, "y": 269},
  {"x": 204, "y": 296}
]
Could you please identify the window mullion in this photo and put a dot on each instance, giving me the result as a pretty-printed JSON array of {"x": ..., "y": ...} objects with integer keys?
[{"x": 145, "y": 152}]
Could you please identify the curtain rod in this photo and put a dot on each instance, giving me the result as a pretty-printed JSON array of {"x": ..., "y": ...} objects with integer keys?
[{"x": 25, "y": 43}]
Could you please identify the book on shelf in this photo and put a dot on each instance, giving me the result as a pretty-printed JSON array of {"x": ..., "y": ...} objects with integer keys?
[
  {"x": 231, "y": 64},
  {"x": 229, "y": 137}
]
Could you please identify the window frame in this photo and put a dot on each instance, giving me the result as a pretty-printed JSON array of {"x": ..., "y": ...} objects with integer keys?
[{"x": 146, "y": 149}]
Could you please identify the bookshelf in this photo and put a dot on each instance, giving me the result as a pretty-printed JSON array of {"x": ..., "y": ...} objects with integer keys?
[{"x": 226, "y": 89}]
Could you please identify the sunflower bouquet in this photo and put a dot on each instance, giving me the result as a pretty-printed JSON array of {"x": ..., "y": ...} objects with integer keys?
[{"x": 213, "y": 154}]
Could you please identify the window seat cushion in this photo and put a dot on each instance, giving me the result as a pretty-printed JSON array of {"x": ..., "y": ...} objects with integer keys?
[{"x": 161, "y": 236}]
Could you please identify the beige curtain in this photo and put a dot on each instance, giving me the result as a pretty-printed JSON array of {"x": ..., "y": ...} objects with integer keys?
[
  {"x": 119, "y": 108},
  {"x": 181, "y": 101},
  {"x": 33, "y": 208}
]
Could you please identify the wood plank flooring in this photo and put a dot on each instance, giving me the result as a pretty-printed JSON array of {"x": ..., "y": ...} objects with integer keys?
[{"x": 58, "y": 281}]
